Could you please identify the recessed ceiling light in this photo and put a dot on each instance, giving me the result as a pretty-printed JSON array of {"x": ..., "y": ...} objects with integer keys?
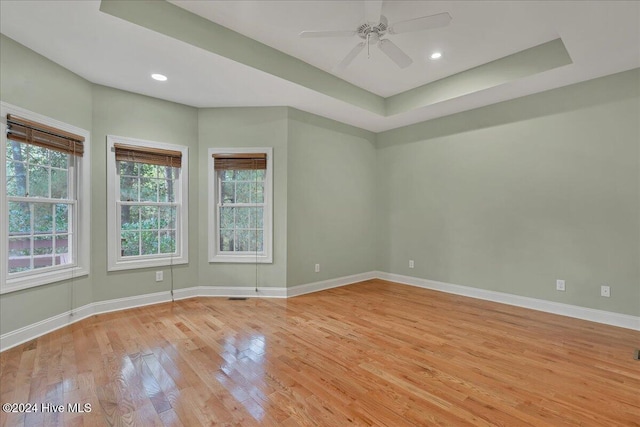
[
  {"x": 436, "y": 55},
  {"x": 159, "y": 77}
]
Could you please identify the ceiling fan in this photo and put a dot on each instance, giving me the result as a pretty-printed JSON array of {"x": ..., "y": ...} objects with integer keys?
[{"x": 376, "y": 27}]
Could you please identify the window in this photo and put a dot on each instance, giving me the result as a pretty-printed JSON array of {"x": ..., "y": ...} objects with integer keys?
[
  {"x": 45, "y": 200},
  {"x": 240, "y": 195},
  {"x": 147, "y": 191}
]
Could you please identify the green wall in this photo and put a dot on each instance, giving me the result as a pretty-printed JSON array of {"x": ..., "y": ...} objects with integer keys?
[
  {"x": 513, "y": 196},
  {"x": 331, "y": 195},
  {"x": 31, "y": 81},
  {"x": 121, "y": 113},
  {"x": 508, "y": 197},
  {"x": 245, "y": 127}
]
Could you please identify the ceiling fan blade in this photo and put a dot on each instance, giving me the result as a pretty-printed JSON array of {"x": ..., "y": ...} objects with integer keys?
[
  {"x": 422, "y": 23},
  {"x": 396, "y": 54},
  {"x": 310, "y": 34},
  {"x": 373, "y": 10},
  {"x": 350, "y": 57}
]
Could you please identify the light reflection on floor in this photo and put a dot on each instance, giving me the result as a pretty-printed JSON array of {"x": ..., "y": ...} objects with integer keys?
[{"x": 243, "y": 368}]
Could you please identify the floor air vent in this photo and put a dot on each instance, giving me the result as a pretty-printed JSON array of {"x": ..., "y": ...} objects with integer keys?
[
  {"x": 637, "y": 355},
  {"x": 237, "y": 298}
]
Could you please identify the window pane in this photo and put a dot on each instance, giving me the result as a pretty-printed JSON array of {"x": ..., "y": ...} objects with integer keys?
[
  {"x": 166, "y": 186},
  {"x": 19, "y": 218},
  {"x": 38, "y": 155},
  {"x": 130, "y": 243},
  {"x": 168, "y": 242},
  {"x": 260, "y": 237},
  {"x": 171, "y": 173},
  {"x": 245, "y": 175},
  {"x": 62, "y": 250},
  {"x": 227, "y": 220},
  {"x": 19, "y": 247},
  {"x": 38, "y": 181},
  {"x": 129, "y": 189},
  {"x": 19, "y": 254},
  {"x": 148, "y": 190},
  {"x": 257, "y": 215},
  {"x": 242, "y": 240},
  {"x": 149, "y": 242},
  {"x": 16, "y": 174},
  {"x": 255, "y": 240},
  {"x": 128, "y": 168},
  {"x": 62, "y": 218},
  {"x": 228, "y": 195},
  {"x": 149, "y": 218},
  {"x": 227, "y": 175},
  {"x": 17, "y": 150},
  {"x": 257, "y": 192},
  {"x": 260, "y": 174},
  {"x": 226, "y": 240},
  {"x": 59, "y": 160},
  {"x": 243, "y": 192},
  {"x": 43, "y": 217},
  {"x": 42, "y": 261},
  {"x": 43, "y": 245},
  {"x": 148, "y": 171},
  {"x": 167, "y": 217},
  {"x": 59, "y": 184},
  {"x": 129, "y": 217},
  {"x": 171, "y": 190},
  {"x": 242, "y": 217},
  {"x": 163, "y": 190}
]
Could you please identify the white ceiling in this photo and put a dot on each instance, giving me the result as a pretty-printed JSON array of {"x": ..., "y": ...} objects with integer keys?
[{"x": 602, "y": 37}]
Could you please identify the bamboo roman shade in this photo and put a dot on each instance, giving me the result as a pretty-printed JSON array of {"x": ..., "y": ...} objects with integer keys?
[
  {"x": 240, "y": 161},
  {"x": 34, "y": 133},
  {"x": 151, "y": 156}
]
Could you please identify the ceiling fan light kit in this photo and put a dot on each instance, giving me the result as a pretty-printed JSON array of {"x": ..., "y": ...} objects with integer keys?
[{"x": 372, "y": 33}]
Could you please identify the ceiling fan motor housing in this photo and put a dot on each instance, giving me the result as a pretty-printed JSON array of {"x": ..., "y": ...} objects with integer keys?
[{"x": 372, "y": 33}]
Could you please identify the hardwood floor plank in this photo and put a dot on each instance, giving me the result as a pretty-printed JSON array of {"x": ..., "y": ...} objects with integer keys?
[{"x": 370, "y": 354}]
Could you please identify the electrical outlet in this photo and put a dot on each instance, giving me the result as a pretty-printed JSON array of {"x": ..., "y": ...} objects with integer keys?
[
  {"x": 560, "y": 285},
  {"x": 411, "y": 263},
  {"x": 317, "y": 268},
  {"x": 605, "y": 291},
  {"x": 159, "y": 276}
]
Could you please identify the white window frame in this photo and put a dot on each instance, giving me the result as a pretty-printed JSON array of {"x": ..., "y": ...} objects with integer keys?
[
  {"x": 81, "y": 241},
  {"x": 266, "y": 257},
  {"x": 115, "y": 261}
]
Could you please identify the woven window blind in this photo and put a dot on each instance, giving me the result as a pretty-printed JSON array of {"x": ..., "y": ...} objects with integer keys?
[
  {"x": 34, "y": 133},
  {"x": 151, "y": 156},
  {"x": 240, "y": 161}
]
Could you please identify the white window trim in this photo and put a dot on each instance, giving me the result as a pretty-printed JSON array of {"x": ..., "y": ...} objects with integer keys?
[
  {"x": 83, "y": 194},
  {"x": 115, "y": 261},
  {"x": 214, "y": 255}
]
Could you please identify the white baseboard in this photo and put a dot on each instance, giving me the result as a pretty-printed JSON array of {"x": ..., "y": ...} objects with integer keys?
[
  {"x": 328, "y": 284},
  {"x": 230, "y": 291},
  {"x": 584, "y": 313},
  {"x": 29, "y": 332}
]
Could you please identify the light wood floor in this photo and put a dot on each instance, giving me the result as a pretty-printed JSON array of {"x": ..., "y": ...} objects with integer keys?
[{"x": 374, "y": 353}]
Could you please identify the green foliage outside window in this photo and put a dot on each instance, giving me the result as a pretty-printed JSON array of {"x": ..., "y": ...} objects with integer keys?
[
  {"x": 149, "y": 226},
  {"x": 242, "y": 210},
  {"x": 38, "y": 228}
]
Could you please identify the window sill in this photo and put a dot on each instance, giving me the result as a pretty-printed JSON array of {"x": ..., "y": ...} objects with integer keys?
[
  {"x": 157, "y": 262},
  {"x": 44, "y": 278},
  {"x": 244, "y": 259}
]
